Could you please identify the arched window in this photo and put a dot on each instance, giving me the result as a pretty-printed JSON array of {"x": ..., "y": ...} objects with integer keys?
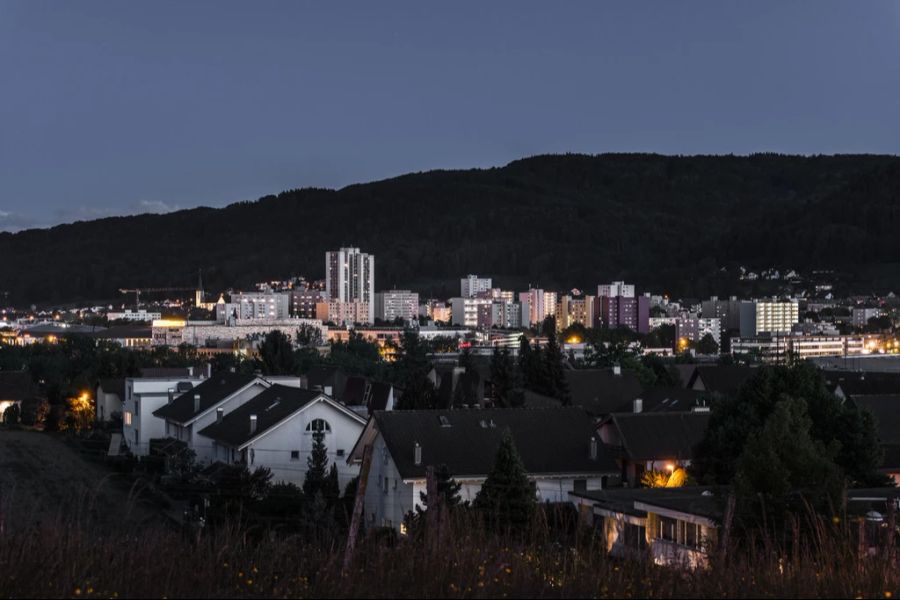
[{"x": 319, "y": 425}]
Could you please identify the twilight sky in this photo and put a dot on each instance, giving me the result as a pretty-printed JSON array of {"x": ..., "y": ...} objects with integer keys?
[{"x": 123, "y": 107}]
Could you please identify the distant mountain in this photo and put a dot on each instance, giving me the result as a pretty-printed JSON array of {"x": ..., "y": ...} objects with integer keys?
[{"x": 562, "y": 221}]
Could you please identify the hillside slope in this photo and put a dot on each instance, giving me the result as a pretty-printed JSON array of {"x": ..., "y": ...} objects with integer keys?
[{"x": 664, "y": 222}]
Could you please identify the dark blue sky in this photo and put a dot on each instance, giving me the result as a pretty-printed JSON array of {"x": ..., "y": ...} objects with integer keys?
[{"x": 123, "y": 107}]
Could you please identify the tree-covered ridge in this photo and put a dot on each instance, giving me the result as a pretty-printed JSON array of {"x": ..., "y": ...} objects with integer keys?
[{"x": 670, "y": 223}]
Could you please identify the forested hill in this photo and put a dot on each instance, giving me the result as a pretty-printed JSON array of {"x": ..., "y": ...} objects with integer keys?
[{"x": 666, "y": 223}]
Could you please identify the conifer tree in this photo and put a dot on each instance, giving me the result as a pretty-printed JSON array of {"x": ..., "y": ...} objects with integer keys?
[
  {"x": 507, "y": 496},
  {"x": 504, "y": 379},
  {"x": 317, "y": 463},
  {"x": 447, "y": 488},
  {"x": 331, "y": 488}
]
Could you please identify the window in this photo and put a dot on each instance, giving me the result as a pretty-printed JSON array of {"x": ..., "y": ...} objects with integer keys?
[
  {"x": 319, "y": 425},
  {"x": 295, "y": 455},
  {"x": 667, "y": 529},
  {"x": 386, "y": 484},
  {"x": 340, "y": 452},
  {"x": 127, "y": 418}
]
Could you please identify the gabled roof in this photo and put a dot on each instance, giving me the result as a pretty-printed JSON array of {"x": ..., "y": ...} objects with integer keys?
[
  {"x": 219, "y": 387},
  {"x": 724, "y": 379},
  {"x": 323, "y": 376},
  {"x": 378, "y": 396},
  {"x": 354, "y": 391},
  {"x": 664, "y": 399},
  {"x": 660, "y": 435},
  {"x": 550, "y": 441},
  {"x": 271, "y": 407},
  {"x": 600, "y": 391},
  {"x": 16, "y": 385},
  {"x": 113, "y": 386},
  {"x": 700, "y": 501},
  {"x": 859, "y": 384}
]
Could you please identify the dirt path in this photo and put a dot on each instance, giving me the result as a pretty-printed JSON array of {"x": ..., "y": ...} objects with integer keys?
[{"x": 42, "y": 479}]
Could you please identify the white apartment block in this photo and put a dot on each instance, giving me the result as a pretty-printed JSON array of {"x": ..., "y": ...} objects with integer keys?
[
  {"x": 394, "y": 304},
  {"x": 616, "y": 289},
  {"x": 464, "y": 311},
  {"x": 350, "y": 277},
  {"x": 768, "y": 317},
  {"x": 133, "y": 315},
  {"x": 262, "y": 305},
  {"x": 472, "y": 285}
]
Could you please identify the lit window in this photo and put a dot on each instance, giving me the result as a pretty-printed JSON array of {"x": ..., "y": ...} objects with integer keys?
[{"x": 127, "y": 418}]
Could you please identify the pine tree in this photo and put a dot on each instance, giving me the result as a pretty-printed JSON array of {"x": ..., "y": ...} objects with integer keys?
[
  {"x": 507, "y": 496},
  {"x": 317, "y": 463},
  {"x": 555, "y": 383},
  {"x": 331, "y": 488},
  {"x": 529, "y": 365},
  {"x": 447, "y": 488},
  {"x": 503, "y": 377}
]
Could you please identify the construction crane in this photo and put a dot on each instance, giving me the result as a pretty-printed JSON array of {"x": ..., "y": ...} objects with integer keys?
[{"x": 138, "y": 291}]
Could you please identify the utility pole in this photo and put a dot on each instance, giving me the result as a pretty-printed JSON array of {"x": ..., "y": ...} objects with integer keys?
[{"x": 358, "y": 506}]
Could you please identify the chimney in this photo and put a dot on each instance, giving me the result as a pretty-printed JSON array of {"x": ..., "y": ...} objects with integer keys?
[
  {"x": 638, "y": 405},
  {"x": 252, "y": 423},
  {"x": 418, "y": 454},
  {"x": 171, "y": 395},
  {"x": 196, "y": 403},
  {"x": 220, "y": 413},
  {"x": 593, "y": 447},
  {"x": 617, "y": 370}
]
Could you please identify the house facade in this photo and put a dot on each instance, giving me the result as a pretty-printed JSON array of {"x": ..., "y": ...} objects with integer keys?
[
  {"x": 109, "y": 399},
  {"x": 198, "y": 408},
  {"x": 275, "y": 430},
  {"x": 143, "y": 396},
  {"x": 558, "y": 448}
]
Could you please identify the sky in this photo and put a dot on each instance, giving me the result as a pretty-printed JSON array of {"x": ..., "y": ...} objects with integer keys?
[{"x": 113, "y": 107}]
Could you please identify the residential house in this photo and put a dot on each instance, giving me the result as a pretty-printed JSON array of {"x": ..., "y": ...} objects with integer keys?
[
  {"x": 846, "y": 384},
  {"x": 652, "y": 441},
  {"x": 146, "y": 394},
  {"x": 109, "y": 399},
  {"x": 681, "y": 526},
  {"x": 671, "y": 526},
  {"x": 221, "y": 393},
  {"x": 274, "y": 429},
  {"x": 601, "y": 391},
  {"x": 331, "y": 381},
  {"x": 558, "y": 446},
  {"x": 365, "y": 396},
  {"x": 721, "y": 379},
  {"x": 15, "y": 387}
]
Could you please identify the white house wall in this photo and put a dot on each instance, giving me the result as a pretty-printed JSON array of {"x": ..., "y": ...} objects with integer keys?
[
  {"x": 274, "y": 449},
  {"x": 202, "y": 446}
]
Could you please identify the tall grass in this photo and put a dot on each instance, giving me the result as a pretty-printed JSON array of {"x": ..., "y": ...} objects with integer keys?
[{"x": 67, "y": 557}]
